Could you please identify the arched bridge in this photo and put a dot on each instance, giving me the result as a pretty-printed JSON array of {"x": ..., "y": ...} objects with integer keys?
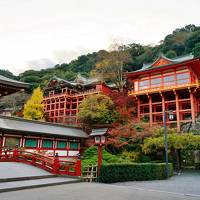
[{"x": 51, "y": 164}]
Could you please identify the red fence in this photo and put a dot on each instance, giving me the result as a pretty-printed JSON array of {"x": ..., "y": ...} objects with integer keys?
[{"x": 53, "y": 165}]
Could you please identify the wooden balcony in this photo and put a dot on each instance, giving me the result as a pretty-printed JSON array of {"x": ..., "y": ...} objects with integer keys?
[
  {"x": 162, "y": 89},
  {"x": 64, "y": 95}
]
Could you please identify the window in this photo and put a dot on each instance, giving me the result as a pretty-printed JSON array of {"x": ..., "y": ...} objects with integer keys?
[
  {"x": 144, "y": 84},
  {"x": 11, "y": 142},
  {"x": 61, "y": 145},
  {"x": 73, "y": 145},
  {"x": 156, "y": 82},
  {"x": 47, "y": 144},
  {"x": 183, "y": 78},
  {"x": 169, "y": 80},
  {"x": 31, "y": 143}
]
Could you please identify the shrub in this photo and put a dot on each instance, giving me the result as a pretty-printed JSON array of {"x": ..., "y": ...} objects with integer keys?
[
  {"x": 111, "y": 173},
  {"x": 90, "y": 157}
]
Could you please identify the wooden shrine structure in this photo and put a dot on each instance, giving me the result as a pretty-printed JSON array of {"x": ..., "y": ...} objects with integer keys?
[
  {"x": 167, "y": 85},
  {"x": 9, "y": 86},
  {"x": 52, "y": 147},
  {"x": 62, "y": 97}
]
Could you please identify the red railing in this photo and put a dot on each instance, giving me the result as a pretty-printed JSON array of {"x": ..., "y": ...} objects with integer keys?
[{"x": 53, "y": 165}]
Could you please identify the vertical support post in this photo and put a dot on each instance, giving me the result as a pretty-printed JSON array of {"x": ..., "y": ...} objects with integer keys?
[
  {"x": 1, "y": 146},
  {"x": 138, "y": 109},
  {"x": 166, "y": 145},
  {"x": 177, "y": 112},
  {"x": 163, "y": 106},
  {"x": 78, "y": 167},
  {"x": 15, "y": 154},
  {"x": 150, "y": 111},
  {"x": 56, "y": 165},
  {"x": 192, "y": 107},
  {"x": 99, "y": 158}
]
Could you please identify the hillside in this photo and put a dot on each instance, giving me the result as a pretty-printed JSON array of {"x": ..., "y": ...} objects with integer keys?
[{"x": 180, "y": 42}]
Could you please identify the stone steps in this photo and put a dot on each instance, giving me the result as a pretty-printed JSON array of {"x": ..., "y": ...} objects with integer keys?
[{"x": 13, "y": 184}]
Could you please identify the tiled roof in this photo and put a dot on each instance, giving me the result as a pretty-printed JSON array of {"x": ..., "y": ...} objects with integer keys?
[
  {"x": 11, "y": 82},
  {"x": 173, "y": 61},
  {"x": 38, "y": 127}
]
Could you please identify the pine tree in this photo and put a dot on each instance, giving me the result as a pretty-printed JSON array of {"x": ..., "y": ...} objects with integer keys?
[{"x": 34, "y": 108}]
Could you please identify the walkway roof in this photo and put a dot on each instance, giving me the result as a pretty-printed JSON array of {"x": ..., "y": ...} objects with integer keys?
[{"x": 14, "y": 124}]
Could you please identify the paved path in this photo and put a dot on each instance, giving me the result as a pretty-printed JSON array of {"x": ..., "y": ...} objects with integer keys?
[
  {"x": 16, "y": 170},
  {"x": 91, "y": 191},
  {"x": 188, "y": 183}
]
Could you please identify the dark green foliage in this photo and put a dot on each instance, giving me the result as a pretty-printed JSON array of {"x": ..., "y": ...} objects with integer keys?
[
  {"x": 90, "y": 157},
  {"x": 196, "y": 50},
  {"x": 7, "y": 74},
  {"x": 111, "y": 173}
]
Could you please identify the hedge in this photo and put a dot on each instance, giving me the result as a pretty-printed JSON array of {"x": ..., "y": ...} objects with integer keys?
[{"x": 111, "y": 173}]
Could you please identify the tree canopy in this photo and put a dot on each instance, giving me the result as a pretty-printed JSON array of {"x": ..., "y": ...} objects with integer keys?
[
  {"x": 34, "y": 108},
  {"x": 97, "y": 109}
]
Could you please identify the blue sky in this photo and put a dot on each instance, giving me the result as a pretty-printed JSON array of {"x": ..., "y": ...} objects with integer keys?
[{"x": 37, "y": 34}]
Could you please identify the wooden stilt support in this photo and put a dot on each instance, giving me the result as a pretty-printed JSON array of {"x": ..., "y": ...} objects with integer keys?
[
  {"x": 177, "y": 112},
  {"x": 150, "y": 111},
  {"x": 138, "y": 110},
  {"x": 192, "y": 107}
]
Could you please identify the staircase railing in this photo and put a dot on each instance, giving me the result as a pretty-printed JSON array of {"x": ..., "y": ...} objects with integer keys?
[{"x": 52, "y": 164}]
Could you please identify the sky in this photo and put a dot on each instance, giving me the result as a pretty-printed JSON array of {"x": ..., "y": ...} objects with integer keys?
[{"x": 37, "y": 34}]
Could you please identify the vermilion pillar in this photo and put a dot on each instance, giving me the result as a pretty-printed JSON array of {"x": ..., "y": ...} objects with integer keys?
[
  {"x": 177, "y": 112},
  {"x": 163, "y": 106},
  {"x": 138, "y": 109},
  {"x": 150, "y": 111},
  {"x": 192, "y": 107}
]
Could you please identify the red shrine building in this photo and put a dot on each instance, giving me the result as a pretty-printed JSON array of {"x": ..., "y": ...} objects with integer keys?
[
  {"x": 62, "y": 98},
  {"x": 167, "y": 85}
]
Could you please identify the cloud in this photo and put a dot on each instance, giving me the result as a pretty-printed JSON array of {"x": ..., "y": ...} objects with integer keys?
[
  {"x": 41, "y": 63},
  {"x": 65, "y": 56}
]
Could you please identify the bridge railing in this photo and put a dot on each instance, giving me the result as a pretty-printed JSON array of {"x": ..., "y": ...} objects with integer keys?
[{"x": 52, "y": 164}]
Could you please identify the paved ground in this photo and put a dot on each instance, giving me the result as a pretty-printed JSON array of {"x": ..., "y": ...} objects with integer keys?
[
  {"x": 16, "y": 170},
  {"x": 188, "y": 183},
  {"x": 91, "y": 191}
]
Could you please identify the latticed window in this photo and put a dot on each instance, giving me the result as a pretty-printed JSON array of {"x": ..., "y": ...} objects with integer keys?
[
  {"x": 169, "y": 80},
  {"x": 61, "y": 145},
  {"x": 156, "y": 82},
  {"x": 47, "y": 144},
  {"x": 31, "y": 142},
  {"x": 73, "y": 145},
  {"x": 11, "y": 142},
  {"x": 183, "y": 78}
]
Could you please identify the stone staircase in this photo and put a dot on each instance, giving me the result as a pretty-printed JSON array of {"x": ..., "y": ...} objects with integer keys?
[{"x": 18, "y": 176}]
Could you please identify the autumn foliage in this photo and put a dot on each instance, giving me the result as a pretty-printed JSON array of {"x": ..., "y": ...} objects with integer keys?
[
  {"x": 34, "y": 108},
  {"x": 128, "y": 137}
]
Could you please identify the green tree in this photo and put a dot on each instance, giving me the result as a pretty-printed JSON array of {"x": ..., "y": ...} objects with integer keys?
[
  {"x": 171, "y": 54},
  {"x": 34, "y": 108},
  {"x": 196, "y": 50},
  {"x": 111, "y": 67},
  {"x": 175, "y": 141},
  {"x": 97, "y": 109}
]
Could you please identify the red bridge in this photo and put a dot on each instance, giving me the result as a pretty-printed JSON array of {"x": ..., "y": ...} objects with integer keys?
[{"x": 51, "y": 164}]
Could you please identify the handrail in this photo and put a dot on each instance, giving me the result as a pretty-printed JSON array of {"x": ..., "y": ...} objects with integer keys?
[{"x": 51, "y": 164}]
